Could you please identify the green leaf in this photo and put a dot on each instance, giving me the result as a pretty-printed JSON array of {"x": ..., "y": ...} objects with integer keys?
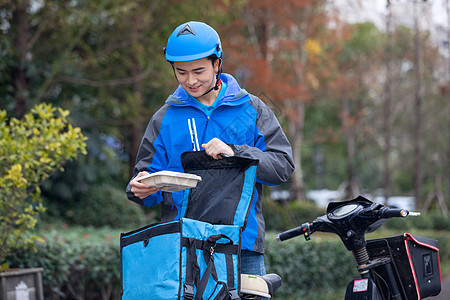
[{"x": 31, "y": 150}]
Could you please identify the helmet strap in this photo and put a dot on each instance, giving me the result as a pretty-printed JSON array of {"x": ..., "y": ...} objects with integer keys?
[{"x": 217, "y": 85}]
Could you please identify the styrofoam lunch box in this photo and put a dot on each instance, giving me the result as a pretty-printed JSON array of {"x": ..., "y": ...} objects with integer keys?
[{"x": 169, "y": 181}]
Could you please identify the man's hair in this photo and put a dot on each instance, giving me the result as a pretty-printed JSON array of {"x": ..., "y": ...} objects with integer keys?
[{"x": 212, "y": 58}]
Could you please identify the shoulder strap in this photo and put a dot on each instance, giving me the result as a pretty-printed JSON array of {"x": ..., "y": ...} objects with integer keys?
[{"x": 192, "y": 268}]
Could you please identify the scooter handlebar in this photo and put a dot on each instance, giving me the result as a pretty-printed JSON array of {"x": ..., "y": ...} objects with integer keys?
[
  {"x": 322, "y": 224},
  {"x": 386, "y": 213},
  {"x": 291, "y": 233}
]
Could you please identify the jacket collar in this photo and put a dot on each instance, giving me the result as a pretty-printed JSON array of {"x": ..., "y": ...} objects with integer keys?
[{"x": 234, "y": 95}]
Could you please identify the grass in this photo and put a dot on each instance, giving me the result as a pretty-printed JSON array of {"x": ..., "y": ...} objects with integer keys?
[{"x": 63, "y": 231}]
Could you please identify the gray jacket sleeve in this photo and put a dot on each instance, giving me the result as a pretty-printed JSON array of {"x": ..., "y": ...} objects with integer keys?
[
  {"x": 272, "y": 147},
  {"x": 146, "y": 154}
]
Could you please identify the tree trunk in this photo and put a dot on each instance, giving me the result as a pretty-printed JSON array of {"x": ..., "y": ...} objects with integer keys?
[
  {"x": 349, "y": 124},
  {"x": 437, "y": 195},
  {"x": 418, "y": 95},
  {"x": 387, "y": 107},
  {"x": 134, "y": 131},
  {"x": 296, "y": 133},
  {"x": 447, "y": 92},
  {"x": 20, "y": 26}
]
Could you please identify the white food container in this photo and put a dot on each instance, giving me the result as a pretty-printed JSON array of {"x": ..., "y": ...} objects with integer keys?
[{"x": 169, "y": 181}]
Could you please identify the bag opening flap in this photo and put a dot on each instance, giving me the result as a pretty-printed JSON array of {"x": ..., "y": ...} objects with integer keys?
[{"x": 225, "y": 193}]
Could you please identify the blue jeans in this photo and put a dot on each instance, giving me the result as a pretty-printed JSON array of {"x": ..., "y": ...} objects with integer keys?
[{"x": 252, "y": 263}]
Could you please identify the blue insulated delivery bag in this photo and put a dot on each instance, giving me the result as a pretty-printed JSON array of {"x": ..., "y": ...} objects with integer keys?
[
  {"x": 197, "y": 256},
  {"x": 180, "y": 259}
]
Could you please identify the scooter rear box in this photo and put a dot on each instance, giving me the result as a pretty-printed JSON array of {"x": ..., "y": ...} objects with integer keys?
[{"x": 415, "y": 260}]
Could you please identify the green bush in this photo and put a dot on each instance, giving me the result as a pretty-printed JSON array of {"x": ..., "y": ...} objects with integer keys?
[
  {"x": 439, "y": 221},
  {"x": 433, "y": 220},
  {"x": 80, "y": 268},
  {"x": 106, "y": 205},
  {"x": 310, "y": 269},
  {"x": 280, "y": 216},
  {"x": 31, "y": 149}
]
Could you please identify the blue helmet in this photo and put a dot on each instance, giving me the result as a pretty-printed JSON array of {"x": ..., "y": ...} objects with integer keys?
[{"x": 191, "y": 41}]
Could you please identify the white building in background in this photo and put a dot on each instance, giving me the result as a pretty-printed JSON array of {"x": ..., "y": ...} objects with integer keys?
[
  {"x": 398, "y": 202},
  {"x": 324, "y": 196}
]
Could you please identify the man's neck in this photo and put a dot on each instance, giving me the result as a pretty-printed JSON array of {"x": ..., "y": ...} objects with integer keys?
[{"x": 209, "y": 98}]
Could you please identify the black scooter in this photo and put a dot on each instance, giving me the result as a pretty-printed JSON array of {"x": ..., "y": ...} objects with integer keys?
[{"x": 400, "y": 267}]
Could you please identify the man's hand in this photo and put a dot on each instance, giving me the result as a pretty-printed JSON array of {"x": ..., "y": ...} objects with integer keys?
[
  {"x": 217, "y": 149},
  {"x": 141, "y": 190}
]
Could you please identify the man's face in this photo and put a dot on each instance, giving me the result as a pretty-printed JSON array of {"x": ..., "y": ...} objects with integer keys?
[{"x": 197, "y": 76}]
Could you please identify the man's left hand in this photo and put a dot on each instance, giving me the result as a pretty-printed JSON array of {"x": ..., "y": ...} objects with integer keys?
[{"x": 218, "y": 149}]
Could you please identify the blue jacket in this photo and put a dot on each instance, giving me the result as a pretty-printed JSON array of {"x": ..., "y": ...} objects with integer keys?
[{"x": 239, "y": 119}]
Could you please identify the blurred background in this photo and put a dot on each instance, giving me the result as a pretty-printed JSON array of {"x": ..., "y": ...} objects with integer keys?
[{"x": 361, "y": 88}]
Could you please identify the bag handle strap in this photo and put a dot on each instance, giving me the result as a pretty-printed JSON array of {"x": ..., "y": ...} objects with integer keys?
[
  {"x": 192, "y": 269},
  {"x": 208, "y": 255},
  {"x": 210, "y": 271},
  {"x": 230, "y": 277},
  {"x": 228, "y": 292},
  {"x": 214, "y": 238}
]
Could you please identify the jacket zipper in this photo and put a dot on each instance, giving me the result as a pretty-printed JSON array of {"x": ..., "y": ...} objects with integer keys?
[{"x": 204, "y": 131}]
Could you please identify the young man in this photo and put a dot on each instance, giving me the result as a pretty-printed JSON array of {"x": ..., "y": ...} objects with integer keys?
[{"x": 209, "y": 111}]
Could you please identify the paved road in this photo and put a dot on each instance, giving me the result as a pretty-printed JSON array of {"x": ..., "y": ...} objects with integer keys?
[{"x": 445, "y": 291}]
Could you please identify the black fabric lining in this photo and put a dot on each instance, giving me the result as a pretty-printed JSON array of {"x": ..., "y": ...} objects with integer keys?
[
  {"x": 213, "y": 201},
  {"x": 217, "y": 196},
  {"x": 196, "y": 160}
]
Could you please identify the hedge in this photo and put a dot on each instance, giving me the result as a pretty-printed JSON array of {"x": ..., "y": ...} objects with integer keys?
[
  {"x": 103, "y": 205},
  {"x": 88, "y": 267},
  {"x": 75, "y": 269},
  {"x": 316, "y": 269}
]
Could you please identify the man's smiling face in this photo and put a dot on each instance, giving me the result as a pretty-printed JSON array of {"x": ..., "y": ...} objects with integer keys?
[{"x": 197, "y": 77}]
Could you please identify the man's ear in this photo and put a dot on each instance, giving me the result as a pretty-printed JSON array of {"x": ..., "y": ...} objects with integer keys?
[{"x": 217, "y": 64}]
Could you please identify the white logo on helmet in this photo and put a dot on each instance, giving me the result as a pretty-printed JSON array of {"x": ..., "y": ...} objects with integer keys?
[{"x": 187, "y": 29}]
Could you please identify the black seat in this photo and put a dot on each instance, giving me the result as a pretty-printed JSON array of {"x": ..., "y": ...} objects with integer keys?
[{"x": 273, "y": 282}]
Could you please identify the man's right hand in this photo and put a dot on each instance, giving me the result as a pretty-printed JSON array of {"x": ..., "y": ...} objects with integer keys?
[{"x": 142, "y": 190}]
